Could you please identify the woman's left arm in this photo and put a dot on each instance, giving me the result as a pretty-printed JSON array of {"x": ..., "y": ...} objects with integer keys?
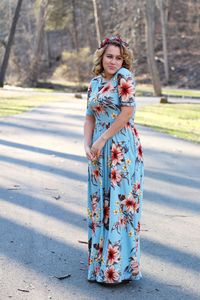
[
  {"x": 121, "y": 120},
  {"x": 126, "y": 93}
]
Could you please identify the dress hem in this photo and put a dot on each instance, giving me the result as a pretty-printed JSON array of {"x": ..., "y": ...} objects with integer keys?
[{"x": 132, "y": 278}]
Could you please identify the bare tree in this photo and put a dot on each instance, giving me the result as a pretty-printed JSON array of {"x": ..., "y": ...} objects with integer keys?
[
  {"x": 161, "y": 7},
  {"x": 150, "y": 30},
  {"x": 76, "y": 40},
  {"x": 96, "y": 18},
  {"x": 34, "y": 68},
  {"x": 9, "y": 43},
  {"x": 100, "y": 13}
]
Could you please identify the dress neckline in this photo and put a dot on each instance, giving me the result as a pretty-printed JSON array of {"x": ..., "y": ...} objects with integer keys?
[{"x": 105, "y": 81}]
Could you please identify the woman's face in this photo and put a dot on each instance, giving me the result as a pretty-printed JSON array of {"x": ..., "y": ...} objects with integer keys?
[{"x": 112, "y": 61}]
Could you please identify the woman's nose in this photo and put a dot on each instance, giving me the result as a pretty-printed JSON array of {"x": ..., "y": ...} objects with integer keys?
[{"x": 113, "y": 60}]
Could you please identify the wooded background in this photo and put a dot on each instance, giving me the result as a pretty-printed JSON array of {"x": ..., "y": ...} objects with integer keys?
[{"x": 54, "y": 40}]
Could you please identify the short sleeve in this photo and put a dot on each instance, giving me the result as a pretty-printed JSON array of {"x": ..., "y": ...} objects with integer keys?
[
  {"x": 126, "y": 87},
  {"x": 89, "y": 110}
]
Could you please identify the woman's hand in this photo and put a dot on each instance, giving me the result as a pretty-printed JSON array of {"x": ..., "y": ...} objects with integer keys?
[
  {"x": 88, "y": 153},
  {"x": 97, "y": 147}
]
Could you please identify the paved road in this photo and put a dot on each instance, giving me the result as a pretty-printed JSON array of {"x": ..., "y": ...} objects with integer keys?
[{"x": 43, "y": 211}]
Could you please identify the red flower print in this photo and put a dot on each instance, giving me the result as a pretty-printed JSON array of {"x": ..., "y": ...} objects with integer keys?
[
  {"x": 96, "y": 270},
  {"x": 106, "y": 211},
  {"x": 93, "y": 226},
  {"x": 116, "y": 154},
  {"x": 115, "y": 176},
  {"x": 107, "y": 88},
  {"x": 136, "y": 186},
  {"x": 122, "y": 221},
  {"x": 126, "y": 89},
  {"x": 135, "y": 132},
  {"x": 130, "y": 204},
  {"x": 140, "y": 152},
  {"x": 100, "y": 250},
  {"x": 134, "y": 266},
  {"x": 113, "y": 254},
  {"x": 98, "y": 109},
  {"x": 111, "y": 275},
  {"x": 96, "y": 173},
  {"x": 94, "y": 202}
]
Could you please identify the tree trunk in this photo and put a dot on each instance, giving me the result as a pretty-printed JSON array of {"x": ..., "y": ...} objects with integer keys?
[
  {"x": 96, "y": 22},
  {"x": 150, "y": 25},
  {"x": 9, "y": 43},
  {"x": 34, "y": 69},
  {"x": 101, "y": 25},
  {"x": 164, "y": 38},
  {"x": 76, "y": 40}
]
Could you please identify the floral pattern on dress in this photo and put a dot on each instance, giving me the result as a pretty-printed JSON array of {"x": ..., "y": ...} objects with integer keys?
[{"x": 115, "y": 184}]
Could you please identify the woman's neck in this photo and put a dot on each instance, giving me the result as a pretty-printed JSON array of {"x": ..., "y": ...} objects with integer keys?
[{"x": 106, "y": 78}]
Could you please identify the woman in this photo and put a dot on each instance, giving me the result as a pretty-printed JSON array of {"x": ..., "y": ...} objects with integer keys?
[{"x": 115, "y": 167}]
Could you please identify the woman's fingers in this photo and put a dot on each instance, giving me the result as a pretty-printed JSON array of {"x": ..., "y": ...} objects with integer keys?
[
  {"x": 98, "y": 153},
  {"x": 93, "y": 150},
  {"x": 90, "y": 155}
]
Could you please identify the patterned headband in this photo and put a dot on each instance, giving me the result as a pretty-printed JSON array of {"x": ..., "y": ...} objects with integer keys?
[{"x": 115, "y": 39}]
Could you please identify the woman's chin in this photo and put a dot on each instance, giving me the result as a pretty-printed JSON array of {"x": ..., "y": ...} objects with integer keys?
[{"x": 111, "y": 71}]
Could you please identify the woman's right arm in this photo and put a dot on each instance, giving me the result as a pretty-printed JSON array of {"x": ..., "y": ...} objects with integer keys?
[{"x": 89, "y": 126}]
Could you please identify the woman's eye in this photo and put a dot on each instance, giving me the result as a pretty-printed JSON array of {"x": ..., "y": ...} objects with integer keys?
[{"x": 110, "y": 56}]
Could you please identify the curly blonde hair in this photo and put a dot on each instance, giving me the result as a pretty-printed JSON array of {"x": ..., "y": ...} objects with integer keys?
[{"x": 127, "y": 55}]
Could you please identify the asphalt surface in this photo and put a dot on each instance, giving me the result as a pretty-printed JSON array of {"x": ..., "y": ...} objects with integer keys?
[{"x": 43, "y": 200}]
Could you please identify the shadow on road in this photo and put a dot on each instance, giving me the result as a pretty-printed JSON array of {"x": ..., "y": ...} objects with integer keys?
[
  {"x": 42, "y": 150},
  {"x": 50, "y": 257}
]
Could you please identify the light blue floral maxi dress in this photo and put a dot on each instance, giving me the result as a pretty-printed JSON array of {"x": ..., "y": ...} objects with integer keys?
[{"x": 115, "y": 184}]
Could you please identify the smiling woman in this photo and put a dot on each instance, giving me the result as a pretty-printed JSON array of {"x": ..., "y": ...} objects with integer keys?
[{"x": 115, "y": 167}]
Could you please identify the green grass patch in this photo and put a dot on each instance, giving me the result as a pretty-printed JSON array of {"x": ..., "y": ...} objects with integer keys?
[
  {"x": 14, "y": 103},
  {"x": 63, "y": 86},
  {"x": 45, "y": 90},
  {"x": 180, "y": 120},
  {"x": 148, "y": 90}
]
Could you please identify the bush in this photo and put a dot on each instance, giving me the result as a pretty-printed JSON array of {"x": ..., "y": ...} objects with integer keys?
[{"x": 74, "y": 66}]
